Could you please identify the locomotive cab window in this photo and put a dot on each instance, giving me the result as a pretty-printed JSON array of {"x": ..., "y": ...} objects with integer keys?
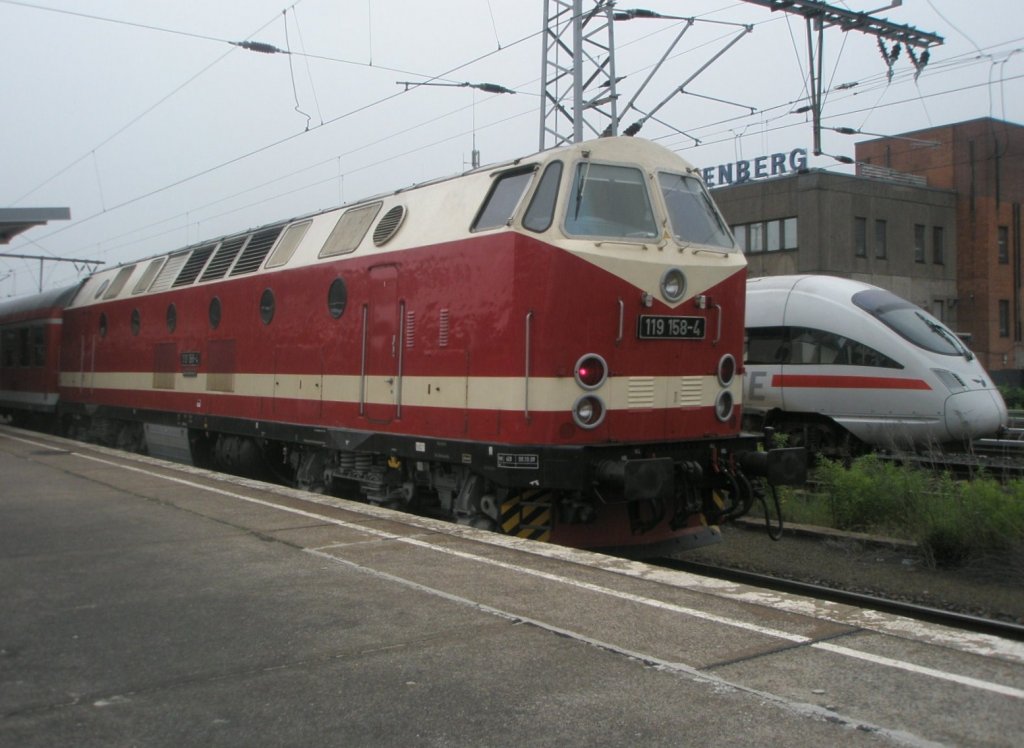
[
  {"x": 503, "y": 199},
  {"x": 541, "y": 213},
  {"x": 691, "y": 213},
  {"x": 609, "y": 201}
]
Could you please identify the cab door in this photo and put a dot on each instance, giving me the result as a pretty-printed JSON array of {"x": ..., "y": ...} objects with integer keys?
[{"x": 382, "y": 354}]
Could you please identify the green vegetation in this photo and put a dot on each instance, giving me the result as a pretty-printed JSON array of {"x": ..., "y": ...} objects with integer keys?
[
  {"x": 954, "y": 522},
  {"x": 1014, "y": 396}
]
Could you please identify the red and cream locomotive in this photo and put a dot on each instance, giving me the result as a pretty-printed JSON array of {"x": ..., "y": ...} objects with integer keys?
[{"x": 549, "y": 347}]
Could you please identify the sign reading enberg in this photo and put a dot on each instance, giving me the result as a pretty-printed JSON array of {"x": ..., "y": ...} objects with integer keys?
[{"x": 755, "y": 168}]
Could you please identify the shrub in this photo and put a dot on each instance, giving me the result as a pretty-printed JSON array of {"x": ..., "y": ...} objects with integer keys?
[{"x": 954, "y": 522}]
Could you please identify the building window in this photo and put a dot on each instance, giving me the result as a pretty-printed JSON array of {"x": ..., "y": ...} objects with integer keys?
[
  {"x": 755, "y": 237},
  {"x": 860, "y": 236},
  {"x": 1004, "y": 245},
  {"x": 1004, "y": 318},
  {"x": 919, "y": 243},
  {"x": 938, "y": 253},
  {"x": 789, "y": 233},
  {"x": 880, "y": 239},
  {"x": 767, "y": 236},
  {"x": 739, "y": 233}
]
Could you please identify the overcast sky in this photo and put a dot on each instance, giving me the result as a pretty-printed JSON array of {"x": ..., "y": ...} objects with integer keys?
[{"x": 157, "y": 133}]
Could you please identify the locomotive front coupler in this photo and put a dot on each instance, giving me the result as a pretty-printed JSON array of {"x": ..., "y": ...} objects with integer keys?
[
  {"x": 780, "y": 466},
  {"x": 642, "y": 479}
]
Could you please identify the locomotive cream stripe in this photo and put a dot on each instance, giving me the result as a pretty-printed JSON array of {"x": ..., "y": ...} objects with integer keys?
[{"x": 546, "y": 394}]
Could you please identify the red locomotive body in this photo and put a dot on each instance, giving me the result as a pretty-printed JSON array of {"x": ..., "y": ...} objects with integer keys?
[{"x": 548, "y": 347}]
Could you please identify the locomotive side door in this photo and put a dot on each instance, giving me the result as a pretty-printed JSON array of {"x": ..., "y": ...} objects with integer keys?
[{"x": 380, "y": 390}]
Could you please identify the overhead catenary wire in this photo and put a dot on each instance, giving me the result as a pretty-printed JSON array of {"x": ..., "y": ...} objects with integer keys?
[{"x": 775, "y": 113}]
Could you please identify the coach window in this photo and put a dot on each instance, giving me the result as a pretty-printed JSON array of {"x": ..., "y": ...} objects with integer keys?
[
  {"x": 103, "y": 325},
  {"x": 502, "y": 200},
  {"x": 9, "y": 345},
  {"x": 172, "y": 318},
  {"x": 215, "y": 311},
  {"x": 267, "y": 306},
  {"x": 541, "y": 212},
  {"x": 23, "y": 347},
  {"x": 136, "y": 322},
  {"x": 337, "y": 298},
  {"x": 38, "y": 345}
]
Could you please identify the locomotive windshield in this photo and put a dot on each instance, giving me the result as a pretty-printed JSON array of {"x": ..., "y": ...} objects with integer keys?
[
  {"x": 911, "y": 322},
  {"x": 610, "y": 201},
  {"x": 692, "y": 214}
]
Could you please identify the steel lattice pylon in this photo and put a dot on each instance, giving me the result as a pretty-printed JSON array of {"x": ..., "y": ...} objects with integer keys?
[{"x": 578, "y": 74}]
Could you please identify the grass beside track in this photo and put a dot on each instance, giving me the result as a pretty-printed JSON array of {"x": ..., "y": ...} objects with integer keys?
[{"x": 954, "y": 522}]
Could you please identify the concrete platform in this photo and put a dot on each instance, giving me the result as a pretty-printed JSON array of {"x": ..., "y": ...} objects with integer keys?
[{"x": 145, "y": 603}]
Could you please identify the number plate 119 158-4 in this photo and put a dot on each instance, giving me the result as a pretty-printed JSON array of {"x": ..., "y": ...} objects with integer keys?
[{"x": 661, "y": 327}]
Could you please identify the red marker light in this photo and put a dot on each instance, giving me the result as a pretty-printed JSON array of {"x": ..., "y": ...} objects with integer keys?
[{"x": 591, "y": 371}]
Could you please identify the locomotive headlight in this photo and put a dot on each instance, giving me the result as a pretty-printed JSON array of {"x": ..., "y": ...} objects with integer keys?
[
  {"x": 673, "y": 285},
  {"x": 723, "y": 406},
  {"x": 591, "y": 371},
  {"x": 726, "y": 369},
  {"x": 588, "y": 411}
]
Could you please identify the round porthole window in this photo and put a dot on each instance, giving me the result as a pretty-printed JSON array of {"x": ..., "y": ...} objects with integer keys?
[
  {"x": 103, "y": 325},
  {"x": 337, "y": 298},
  {"x": 267, "y": 306},
  {"x": 172, "y": 318},
  {"x": 136, "y": 322},
  {"x": 214, "y": 312}
]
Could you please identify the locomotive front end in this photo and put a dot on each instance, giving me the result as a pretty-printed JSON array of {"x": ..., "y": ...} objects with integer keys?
[{"x": 636, "y": 331}]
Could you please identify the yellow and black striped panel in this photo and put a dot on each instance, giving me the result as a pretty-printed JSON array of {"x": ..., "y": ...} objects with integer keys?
[{"x": 528, "y": 515}]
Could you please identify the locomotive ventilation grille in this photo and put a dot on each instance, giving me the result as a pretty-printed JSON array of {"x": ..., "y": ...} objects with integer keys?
[
  {"x": 690, "y": 391},
  {"x": 256, "y": 250},
  {"x": 641, "y": 392},
  {"x": 388, "y": 226}
]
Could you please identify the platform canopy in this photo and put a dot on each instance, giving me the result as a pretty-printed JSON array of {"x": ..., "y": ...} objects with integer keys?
[{"x": 15, "y": 220}]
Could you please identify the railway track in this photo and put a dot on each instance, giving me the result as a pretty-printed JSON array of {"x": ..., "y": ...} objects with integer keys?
[{"x": 954, "y": 619}]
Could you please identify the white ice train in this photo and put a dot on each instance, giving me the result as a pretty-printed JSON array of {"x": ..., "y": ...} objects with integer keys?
[{"x": 841, "y": 366}]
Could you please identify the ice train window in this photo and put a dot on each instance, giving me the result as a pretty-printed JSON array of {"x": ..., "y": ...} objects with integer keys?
[
  {"x": 610, "y": 201},
  {"x": 541, "y": 213},
  {"x": 503, "y": 199},
  {"x": 692, "y": 214},
  {"x": 806, "y": 346},
  {"x": 910, "y": 322}
]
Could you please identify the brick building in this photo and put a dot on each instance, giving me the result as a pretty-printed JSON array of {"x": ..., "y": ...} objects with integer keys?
[{"x": 982, "y": 162}]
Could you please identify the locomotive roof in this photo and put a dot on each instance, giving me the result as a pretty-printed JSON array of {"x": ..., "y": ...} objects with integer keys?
[{"x": 441, "y": 210}]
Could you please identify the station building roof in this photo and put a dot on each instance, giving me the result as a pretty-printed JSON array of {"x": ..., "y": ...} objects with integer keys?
[{"x": 15, "y": 220}]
